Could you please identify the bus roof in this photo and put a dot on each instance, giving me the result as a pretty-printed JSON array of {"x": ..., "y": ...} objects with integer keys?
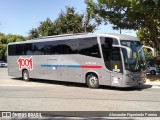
[{"x": 79, "y": 35}]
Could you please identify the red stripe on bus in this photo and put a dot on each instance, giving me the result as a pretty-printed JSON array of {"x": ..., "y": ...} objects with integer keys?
[{"x": 85, "y": 66}]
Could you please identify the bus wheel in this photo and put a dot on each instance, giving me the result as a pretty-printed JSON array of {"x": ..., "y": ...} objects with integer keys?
[
  {"x": 92, "y": 81},
  {"x": 25, "y": 75},
  {"x": 153, "y": 72}
]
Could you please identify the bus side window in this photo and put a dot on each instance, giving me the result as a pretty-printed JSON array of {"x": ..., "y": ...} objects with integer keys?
[
  {"x": 116, "y": 60},
  {"x": 70, "y": 47},
  {"x": 12, "y": 50},
  {"x": 89, "y": 47},
  {"x": 52, "y": 48},
  {"x": 28, "y": 49},
  {"x": 111, "y": 56},
  {"x": 20, "y": 49},
  {"x": 106, "y": 44},
  {"x": 38, "y": 48}
]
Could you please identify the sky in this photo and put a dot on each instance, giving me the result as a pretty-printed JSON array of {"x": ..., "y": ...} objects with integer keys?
[{"x": 20, "y": 16}]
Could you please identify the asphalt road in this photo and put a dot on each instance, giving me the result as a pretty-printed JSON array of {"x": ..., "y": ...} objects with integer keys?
[{"x": 43, "y": 95}]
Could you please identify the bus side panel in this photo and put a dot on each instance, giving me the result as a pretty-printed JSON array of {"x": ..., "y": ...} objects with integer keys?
[
  {"x": 95, "y": 65},
  {"x": 58, "y": 67},
  {"x": 105, "y": 76},
  {"x": 45, "y": 67},
  {"x": 16, "y": 64},
  {"x": 70, "y": 68},
  {"x": 39, "y": 71},
  {"x": 13, "y": 67}
]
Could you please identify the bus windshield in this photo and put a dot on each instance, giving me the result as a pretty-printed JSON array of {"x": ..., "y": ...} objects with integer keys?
[{"x": 137, "y": 62}]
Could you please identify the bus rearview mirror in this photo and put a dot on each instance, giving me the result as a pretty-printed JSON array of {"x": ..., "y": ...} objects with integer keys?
[
  {"x": 152, "y": 49},
  {"x": 129, "y": 51}
]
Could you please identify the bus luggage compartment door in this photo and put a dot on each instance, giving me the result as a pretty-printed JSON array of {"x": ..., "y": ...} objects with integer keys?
[
  {"x": 116, "y": 79},
  {"x": 52, "y": 70}
]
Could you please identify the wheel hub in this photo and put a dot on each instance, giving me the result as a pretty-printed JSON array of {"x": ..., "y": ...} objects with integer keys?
[
  {"x": 25, "y": 76},
  {"x": 93, "y": 81}
]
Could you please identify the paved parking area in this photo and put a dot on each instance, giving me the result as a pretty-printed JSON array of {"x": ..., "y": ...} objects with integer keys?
[
  {"x": 45, "y": 95},
  {"x": 17, "y": 94}
]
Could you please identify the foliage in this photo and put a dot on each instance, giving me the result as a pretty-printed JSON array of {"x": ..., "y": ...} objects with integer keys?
[
  {"x": 154, "y": 61},
  {"x": 130, "y": 14},
  {"x": 68, "y": 22},
  {"x": 151, "y": 38},
  {"x": 4, "y": 40},
  {"x": 33, "y": 33},
  {"x": 46, "y": 28}
]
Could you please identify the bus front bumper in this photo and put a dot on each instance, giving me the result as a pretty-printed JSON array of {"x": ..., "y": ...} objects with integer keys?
[{"x": 134, "y": 82}]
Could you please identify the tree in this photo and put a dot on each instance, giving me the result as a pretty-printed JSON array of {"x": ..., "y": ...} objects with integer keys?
[
  {"x": 14, "y": 38},
  {"x": 33, "y": 33},
  {"x": 147, "y": 37},
  {"x": 91, "y": 20},
  {"x": 46, "y": 28},
  {"x": 130, "y": 14},
  {"x": 68, "y": 22},
  {"x": 4, "y": 40},
  {"x": 3, "y": 43},
  {"x": 72, "y": 22}
]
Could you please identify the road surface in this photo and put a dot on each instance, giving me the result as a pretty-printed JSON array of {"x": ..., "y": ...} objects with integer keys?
[{"x": 45, "y": 95}]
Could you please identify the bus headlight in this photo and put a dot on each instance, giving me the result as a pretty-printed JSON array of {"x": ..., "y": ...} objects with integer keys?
[{"x": 129, "y": 75}]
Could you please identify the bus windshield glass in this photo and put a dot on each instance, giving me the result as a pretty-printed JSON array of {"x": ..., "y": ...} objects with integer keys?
[{"x": 137, "y": 62}]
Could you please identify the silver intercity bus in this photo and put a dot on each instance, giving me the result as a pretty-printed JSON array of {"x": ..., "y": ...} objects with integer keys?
[{"x": 94, "y": 59}]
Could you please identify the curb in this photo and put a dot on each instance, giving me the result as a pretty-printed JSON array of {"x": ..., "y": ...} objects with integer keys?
[{"x": 156, "y": 83}]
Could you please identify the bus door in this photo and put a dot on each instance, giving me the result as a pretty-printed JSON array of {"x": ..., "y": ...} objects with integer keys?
[
  {"x": 112, "y": 60},
  {"x": 52, "y": 70},
  {"x": 116, "y": 66}
]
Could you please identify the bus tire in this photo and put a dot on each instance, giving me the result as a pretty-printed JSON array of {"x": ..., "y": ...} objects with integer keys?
[
  {"x": 92, "y": 81},
  {"x": 25, "y": 75},
  {"x": 153, "y": 72}
]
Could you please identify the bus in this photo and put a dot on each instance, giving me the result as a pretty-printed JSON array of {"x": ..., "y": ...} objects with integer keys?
[{"x": 95, "y": 59}]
